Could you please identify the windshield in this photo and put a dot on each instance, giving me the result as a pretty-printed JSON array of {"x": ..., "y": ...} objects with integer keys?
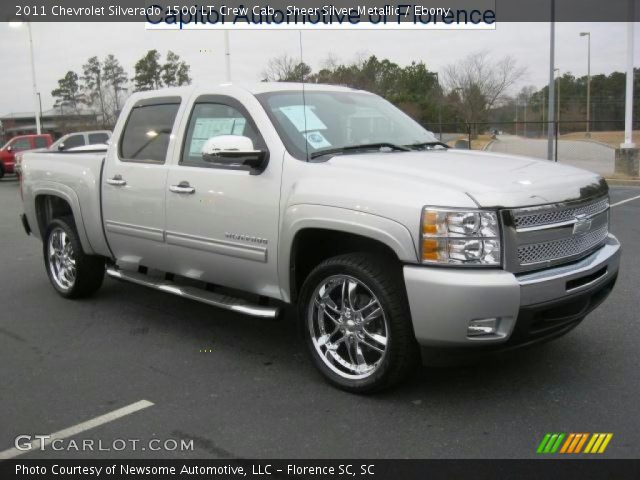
[{"x": 333, "y": 120}]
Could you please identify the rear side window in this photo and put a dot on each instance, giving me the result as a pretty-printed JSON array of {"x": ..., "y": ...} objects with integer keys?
[
  {"x": 98, "y": 138},
  {"x": 73, "y": 141},
  {"x": 147, "y": 133},
  {"x": 41, "y": 142}
]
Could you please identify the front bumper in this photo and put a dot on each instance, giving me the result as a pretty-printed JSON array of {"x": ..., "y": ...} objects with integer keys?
[{"x": 529, "y": 307}]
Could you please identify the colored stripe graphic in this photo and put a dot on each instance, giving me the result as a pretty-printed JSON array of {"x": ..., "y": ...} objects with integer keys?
[
  {"x": 550, "y": 443},
  {"x": 598, "y": 443},
  {"x": 573, "y": 443}
]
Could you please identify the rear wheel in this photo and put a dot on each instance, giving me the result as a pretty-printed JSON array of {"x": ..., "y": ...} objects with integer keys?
[
  {"x": 357, "y": 323},
  {"x": 72, "y": 273}
]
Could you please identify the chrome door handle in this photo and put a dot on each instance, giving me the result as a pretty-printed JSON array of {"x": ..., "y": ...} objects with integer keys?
[
  {"x": 116, "y": 181},
  {"x": 182, "y": 187}
]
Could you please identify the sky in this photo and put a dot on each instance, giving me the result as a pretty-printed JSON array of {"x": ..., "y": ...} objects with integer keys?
[{"x": 60, "y": 47}]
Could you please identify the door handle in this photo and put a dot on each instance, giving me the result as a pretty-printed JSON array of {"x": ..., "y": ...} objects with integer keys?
[
  {"x": 117, "y": 181},
  {"x": 182, "y": 187}
]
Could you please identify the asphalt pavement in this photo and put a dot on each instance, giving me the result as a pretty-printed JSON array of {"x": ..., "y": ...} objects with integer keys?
[{"x": 243, "y": 387}]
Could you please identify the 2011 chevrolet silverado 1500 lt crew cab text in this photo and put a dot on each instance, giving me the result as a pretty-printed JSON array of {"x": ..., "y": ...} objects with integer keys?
[{"x": 251, "y": 198}]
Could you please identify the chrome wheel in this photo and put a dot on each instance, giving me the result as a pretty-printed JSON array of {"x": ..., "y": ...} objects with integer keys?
[
  {"x": 348, "y": 327},
  {"x": 61, "y": 259}
]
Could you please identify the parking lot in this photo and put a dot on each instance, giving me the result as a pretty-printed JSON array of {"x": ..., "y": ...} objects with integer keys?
[{"x": 243, "y": 387}]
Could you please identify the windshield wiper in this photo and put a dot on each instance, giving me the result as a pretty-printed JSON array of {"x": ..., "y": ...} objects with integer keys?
[
  {"x": 428, "y": 144},
  {"x": 365, "y": 146}
]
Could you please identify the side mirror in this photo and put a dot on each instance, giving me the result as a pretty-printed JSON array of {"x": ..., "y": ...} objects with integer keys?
[
  {"x": 9, "y": 148},
  {"x": 234, "y": 151},
  {"x": 61, "y": 147}
]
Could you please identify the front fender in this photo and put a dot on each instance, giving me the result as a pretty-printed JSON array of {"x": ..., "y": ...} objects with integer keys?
[{"x": 299, "y": 217}]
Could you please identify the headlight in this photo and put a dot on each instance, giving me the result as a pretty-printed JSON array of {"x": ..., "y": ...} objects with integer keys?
[{"x": 460, "y": 237}]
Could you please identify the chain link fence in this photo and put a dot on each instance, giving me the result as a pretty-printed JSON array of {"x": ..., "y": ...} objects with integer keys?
[{"x": 590, "y": 145}]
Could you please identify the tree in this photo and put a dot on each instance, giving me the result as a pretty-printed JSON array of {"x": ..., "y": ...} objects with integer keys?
[
  {"x": 115, "y": 77},
  {"x": 480, "y": 82},
  {"x": 285, "y": 69},
  {"x": 93, "y": 86},
  {"x": 175, "y": 72},
  {"x": 148, "y": 72},
  {"x": 68, "y": 91}
]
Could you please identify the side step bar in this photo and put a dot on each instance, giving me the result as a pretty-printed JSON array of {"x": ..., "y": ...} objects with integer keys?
[{"x": 193, "y": 293}]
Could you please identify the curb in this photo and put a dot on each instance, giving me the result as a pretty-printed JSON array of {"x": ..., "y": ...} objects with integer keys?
[{"x": 623, "y": 182}]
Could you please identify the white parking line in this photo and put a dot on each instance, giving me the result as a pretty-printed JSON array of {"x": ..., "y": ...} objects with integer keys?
[
  {"x": 624, "y": 201},
  {"x": 76, "y": 429}
]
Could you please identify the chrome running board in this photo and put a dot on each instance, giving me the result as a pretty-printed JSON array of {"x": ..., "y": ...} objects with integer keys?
[{"x": 192, "y": 293}]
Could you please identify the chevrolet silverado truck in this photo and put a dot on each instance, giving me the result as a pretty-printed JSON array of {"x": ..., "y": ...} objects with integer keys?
[{"x": 331, "y": 199}]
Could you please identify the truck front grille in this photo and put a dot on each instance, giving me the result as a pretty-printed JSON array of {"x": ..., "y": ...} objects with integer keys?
[
  {"x": 559, "y": 249},
  {"x": 559, "y": 215},
  {"x": 549, "y": 235}
]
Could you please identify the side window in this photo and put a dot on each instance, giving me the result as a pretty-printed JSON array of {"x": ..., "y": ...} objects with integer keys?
[
  {"x": 210, "y": 120},
  {"x": 21, "y": 144},
  {"x": 98, "y": 138},
  {"x": 147, "y": 132},
  {"x": 41, "y": 142},
  {"x": 73, "y": 141}
]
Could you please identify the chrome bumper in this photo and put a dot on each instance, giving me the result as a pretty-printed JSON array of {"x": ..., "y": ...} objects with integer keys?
[{"x": 444, "y": 300}]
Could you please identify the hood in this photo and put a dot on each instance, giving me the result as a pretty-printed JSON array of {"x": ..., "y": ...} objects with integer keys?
[{"x": 490, "y": 179}]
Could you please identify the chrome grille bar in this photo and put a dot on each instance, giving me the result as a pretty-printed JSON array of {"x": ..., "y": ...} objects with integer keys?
[{"x": 546, "y": 216}]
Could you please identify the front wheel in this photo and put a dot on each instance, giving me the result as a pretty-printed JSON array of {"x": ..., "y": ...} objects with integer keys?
[
  {"x": 72, "y": 273},
  {"x": 357, "y": 324}
]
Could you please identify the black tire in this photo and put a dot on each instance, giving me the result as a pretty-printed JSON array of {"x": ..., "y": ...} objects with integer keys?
[
  {"x": 382, "y": 277},
  {"x": 1, "y": 171},
  {"x": 89, "y": 269}
]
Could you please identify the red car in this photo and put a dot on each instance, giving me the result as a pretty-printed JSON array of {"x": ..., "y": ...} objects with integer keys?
[{"x": 19, "y": 144}]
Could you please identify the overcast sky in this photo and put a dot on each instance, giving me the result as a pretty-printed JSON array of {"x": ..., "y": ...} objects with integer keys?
[{"x": 60, "y": 47}]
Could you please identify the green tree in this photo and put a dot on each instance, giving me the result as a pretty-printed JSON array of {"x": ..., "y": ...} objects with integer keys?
[
  {"x": 148, "y": 72},
  {"x": 68, "y": 92},
  {"x": 93, "y": 85},
  {"x": 116, "y": 78},
  {"x": 175, "y": 72}
]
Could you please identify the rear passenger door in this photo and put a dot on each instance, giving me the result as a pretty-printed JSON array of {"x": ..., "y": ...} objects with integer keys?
[{"x": 134, "y": 183}]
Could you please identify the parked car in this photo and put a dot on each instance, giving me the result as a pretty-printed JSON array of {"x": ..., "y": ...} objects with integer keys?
[
  {"x": 19, "y": 144},
  {"x": 333, "y": 200},
  {"x": 70, "y": 141}
]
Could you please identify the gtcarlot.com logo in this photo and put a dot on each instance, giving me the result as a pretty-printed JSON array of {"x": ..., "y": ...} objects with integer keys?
[{"x": 572, "y": 443}]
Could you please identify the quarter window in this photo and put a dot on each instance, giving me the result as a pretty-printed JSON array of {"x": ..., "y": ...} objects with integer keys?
[
  {"x": 147, "y": 133},
  {"x": 210, "y": 120}
]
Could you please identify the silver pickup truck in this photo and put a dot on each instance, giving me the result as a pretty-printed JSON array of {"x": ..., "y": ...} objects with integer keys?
[{"x": 386, "y": 240}]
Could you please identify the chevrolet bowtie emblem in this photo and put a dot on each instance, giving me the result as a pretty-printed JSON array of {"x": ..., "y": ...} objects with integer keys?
[{"x": 582, "y": 225}]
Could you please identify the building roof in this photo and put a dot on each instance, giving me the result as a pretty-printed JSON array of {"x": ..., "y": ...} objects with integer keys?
[{"x": 53, "y": 112}]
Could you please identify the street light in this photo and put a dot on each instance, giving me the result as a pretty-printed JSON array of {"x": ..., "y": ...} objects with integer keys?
[
  {"x": 33, "y": 73},
  {"x": 558, "y": 115},
  {"x": 435, "y": 74},
  {"x": 588, "y": 35}
]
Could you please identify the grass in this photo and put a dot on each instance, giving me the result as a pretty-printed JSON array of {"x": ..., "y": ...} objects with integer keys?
[{"x": 613, "y": 139}]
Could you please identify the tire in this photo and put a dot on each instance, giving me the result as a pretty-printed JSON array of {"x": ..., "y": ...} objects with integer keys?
[
  {"x": 72, "y": 273},
  {"x": 378, "y": 347},
  {"x": 1, "y": 171}
]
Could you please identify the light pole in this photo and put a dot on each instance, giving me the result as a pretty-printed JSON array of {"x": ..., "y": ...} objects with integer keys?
[
  {"x": 435, "y": 74},
  {"x": 588, "y": 35},
  {"x": 558, "y": 102},
  {"x": 33, "y": 73}
]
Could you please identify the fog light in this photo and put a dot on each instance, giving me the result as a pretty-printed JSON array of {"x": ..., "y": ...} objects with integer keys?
[{"x": 482, "y": 326}]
